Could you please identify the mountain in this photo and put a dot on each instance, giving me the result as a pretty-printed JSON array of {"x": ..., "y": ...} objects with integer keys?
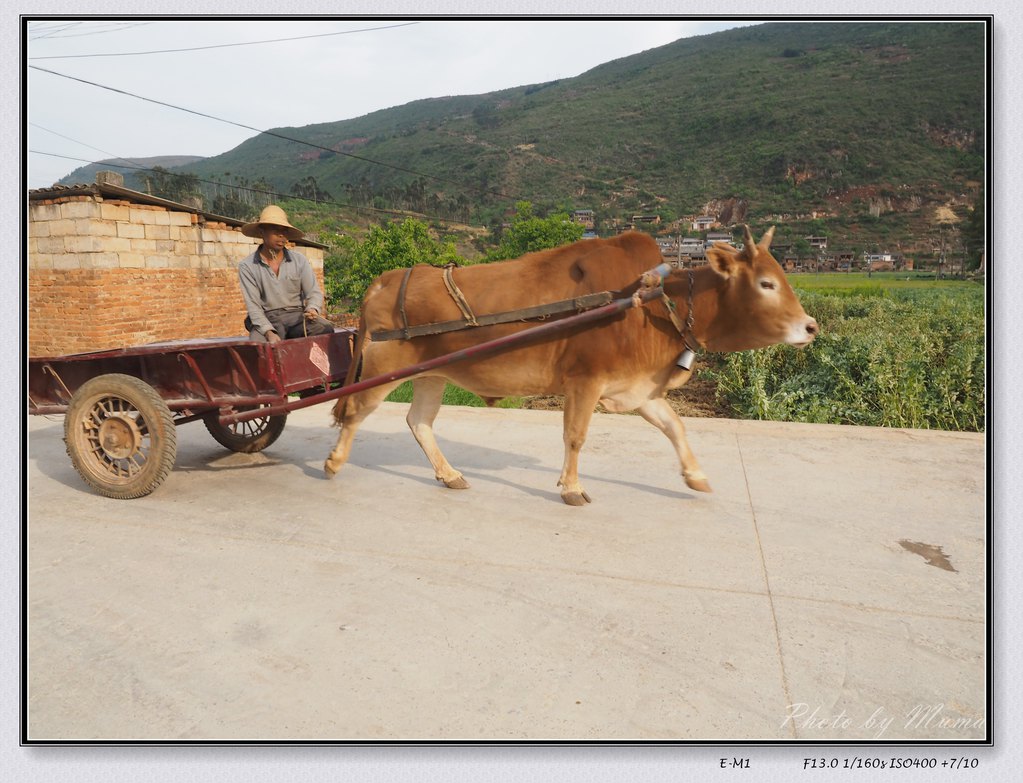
[
  {"x": 128, "y": 167},
  {"x": 870, "y": 129}
]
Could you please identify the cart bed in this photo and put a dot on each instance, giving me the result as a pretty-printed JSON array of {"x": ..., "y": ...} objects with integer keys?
[{"x": 196, "y": 375}]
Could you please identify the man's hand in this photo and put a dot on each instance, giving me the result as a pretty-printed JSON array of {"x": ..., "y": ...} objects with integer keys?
[
  {"x": 273, "y": 337},
  {"x": 311, "y": 315}
]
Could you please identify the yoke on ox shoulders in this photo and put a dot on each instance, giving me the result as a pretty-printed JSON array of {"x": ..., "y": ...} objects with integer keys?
[{"x": 470, "y": 320}]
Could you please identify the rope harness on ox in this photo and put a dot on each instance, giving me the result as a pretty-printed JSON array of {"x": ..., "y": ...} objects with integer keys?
[
  {"x": 458, "y": 296},
  {"x": 651, "y": 288},
  {"x": 655, "y": 279},
  {"x": 469, "y": 319},
  {"x": 685, "y": 360}
]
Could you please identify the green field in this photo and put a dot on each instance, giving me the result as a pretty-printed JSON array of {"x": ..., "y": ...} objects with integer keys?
[
  {"x": 453, "y": 395},
  {"x": 890, "y": 353},
  {"x": 883, "y": 283}
]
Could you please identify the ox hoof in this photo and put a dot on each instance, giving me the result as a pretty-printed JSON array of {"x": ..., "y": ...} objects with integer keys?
[
  {"x": 329, "y": 470},
  {"x": 698, "y": 483},
  {"x": 575, "y": 498},
  {"x": 458, "y": 482}
]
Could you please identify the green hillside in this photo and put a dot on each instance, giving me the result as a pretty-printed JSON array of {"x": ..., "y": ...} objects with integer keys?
[{"x": 862, "y": 130}]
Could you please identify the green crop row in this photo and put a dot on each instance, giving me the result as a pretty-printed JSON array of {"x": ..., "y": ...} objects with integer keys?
[{"x": 906, "y": 359}]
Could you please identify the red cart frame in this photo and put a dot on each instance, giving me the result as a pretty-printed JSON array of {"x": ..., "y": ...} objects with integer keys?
[{"x": 122, "y": 406}]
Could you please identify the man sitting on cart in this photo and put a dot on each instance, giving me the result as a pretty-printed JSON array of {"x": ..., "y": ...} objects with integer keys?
[{"x": 282, "y": 297}]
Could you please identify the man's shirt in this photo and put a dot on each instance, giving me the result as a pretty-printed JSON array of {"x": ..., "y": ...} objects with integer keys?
[{"x": 294, "y": 288}]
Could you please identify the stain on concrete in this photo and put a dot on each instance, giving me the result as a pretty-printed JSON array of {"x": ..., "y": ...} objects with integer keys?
[{"x": 931, "y": 554}]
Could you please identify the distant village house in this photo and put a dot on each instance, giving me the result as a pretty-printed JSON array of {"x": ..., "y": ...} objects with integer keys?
[{"x": 584, "y": 217}]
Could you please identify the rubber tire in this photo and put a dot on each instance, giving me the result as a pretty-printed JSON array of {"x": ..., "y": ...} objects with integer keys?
[
  {"x": 97, "y": 468},
  {"x": 270, "y": 429}
]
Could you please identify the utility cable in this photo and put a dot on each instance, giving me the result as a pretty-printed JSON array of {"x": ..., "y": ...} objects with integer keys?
[
  {"x": 276, "y": 135},
  {"x": 116, "y": 28},
  {"x": 219, "y": 46},
  {"x": 134, "y": 163}
]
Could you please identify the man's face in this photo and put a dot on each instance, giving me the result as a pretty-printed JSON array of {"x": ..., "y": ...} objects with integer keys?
[{"x": 274, "y": 237}]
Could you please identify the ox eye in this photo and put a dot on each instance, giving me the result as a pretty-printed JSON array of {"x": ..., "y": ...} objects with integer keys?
[{"x": 770, "y": 285}]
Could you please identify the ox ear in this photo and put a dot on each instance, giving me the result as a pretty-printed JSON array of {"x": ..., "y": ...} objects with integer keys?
[{"x": 724, "y": 258}]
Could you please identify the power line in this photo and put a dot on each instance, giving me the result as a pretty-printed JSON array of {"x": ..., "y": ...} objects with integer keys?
[
  {"x": 51, "y": 32},
  {"x": 274, "y": 193},
  {"x": 115, "y": 28},
  {"x": 219, "y": 46},
  {"x": 280, "y": 135},
  {"x": 76, "y": 141}
]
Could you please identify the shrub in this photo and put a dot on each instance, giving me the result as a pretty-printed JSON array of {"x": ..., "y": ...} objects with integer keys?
[
  {"x": 352, "y": 265},
  {"x": 911, "y": 359},
  {"x": 529, "y": 233}
]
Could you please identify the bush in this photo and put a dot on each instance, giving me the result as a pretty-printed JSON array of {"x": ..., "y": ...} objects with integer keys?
[
  {"x": 352, "y": 266},
  {"x": 529, "y": 233},
  {"x": 915, "y": 359}
]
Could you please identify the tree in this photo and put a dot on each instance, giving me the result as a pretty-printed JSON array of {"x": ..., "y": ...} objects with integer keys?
[
  {"x": 529, "y": 233},
  {"x": 974, "y": 234},
  {"x": 818, "y": 227},
  {"x": 165, "y": 184},
  {"x": 264, "y": 194},
  {"x": 351, "y": 266},
  {"x": 230, "y": 205},
  {"x": 309, "y": 188},
  {"x": 801, "y": 248}
]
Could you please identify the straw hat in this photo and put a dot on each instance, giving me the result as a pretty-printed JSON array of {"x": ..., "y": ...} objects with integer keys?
[{"x": 272, "y": 215}]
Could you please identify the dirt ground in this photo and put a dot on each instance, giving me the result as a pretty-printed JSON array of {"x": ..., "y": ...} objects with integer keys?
[{"x": 697, "y": 399}]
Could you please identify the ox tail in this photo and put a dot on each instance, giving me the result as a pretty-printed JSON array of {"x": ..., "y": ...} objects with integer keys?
[{"x": 353, "y": 371}]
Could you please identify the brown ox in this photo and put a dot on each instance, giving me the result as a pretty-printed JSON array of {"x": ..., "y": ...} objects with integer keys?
[{"x": 741, "y": 300}]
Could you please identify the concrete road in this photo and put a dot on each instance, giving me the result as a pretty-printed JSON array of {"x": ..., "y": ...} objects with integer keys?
[{"x": 832, "y": 587}]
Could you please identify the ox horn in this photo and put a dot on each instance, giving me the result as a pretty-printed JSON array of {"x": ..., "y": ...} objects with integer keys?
[
  {"x": 765, "y": 240},
  {"x": 749, "y": 244}
]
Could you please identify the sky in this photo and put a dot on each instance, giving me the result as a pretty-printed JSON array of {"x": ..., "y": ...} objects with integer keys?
[{"x": 332, "y": 69}]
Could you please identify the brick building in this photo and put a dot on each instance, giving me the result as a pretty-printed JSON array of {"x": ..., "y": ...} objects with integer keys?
[{"x": 110, "y": 267}]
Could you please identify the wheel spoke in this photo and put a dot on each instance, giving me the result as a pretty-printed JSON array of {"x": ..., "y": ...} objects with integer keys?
[
  {"x": 250, "y": 435},
  {"x": 133, "y": 466},
  {"x": 120, "y": 452}
]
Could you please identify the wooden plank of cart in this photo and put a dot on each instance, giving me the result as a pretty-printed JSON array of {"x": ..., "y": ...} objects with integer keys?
[{"x": 121, "y": 407}]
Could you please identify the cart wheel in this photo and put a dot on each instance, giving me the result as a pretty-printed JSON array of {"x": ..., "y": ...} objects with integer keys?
[
  {"x": 120, "y": 436},
  {"x": 246, "y": 437}
]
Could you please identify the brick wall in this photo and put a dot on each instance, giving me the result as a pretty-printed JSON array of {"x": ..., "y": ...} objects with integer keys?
[{"x": 109, "y": 273}]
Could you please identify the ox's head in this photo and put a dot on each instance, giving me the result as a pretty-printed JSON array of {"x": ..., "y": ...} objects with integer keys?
[{"x": 757, "y": 307}]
